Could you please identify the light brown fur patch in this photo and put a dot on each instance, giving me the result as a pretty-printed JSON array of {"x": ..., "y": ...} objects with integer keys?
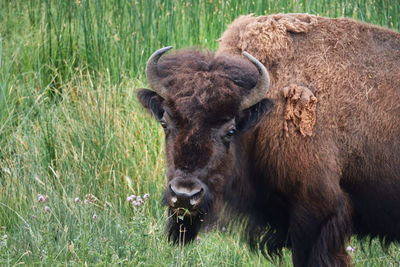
[
  {"x": 265, "y": 37},
  {"x": 300, "y": 108}
]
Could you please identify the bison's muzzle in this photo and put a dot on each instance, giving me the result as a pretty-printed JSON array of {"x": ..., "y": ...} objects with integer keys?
[
  {"x": 186, "y": 194},
  {"x": 187, "y": 197},
  {"x": 189, "y": 201}
]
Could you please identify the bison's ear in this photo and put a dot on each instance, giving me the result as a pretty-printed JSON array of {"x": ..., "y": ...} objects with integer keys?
[
  {"x": 151, "y": 101},
  {"x": 251, "y": 116}
]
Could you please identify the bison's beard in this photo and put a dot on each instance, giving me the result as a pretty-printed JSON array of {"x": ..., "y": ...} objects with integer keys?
[
  {"x": 183, "y": 229},
  {"x": 184, "y": 225}
]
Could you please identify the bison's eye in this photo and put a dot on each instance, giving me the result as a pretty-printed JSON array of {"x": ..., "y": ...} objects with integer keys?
[
  {"x": 163, "y": 123},
  {"x": 231, "y": 132},
  {"x": 228, "y": 135}
]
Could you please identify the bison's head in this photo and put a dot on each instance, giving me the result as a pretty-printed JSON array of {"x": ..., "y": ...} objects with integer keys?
[{"x": 205, "y": 104}]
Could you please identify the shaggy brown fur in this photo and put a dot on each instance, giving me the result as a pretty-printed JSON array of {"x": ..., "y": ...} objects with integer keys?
[
  {"x": 192, "y": 80},
  {"x": 309, "y": 173}
]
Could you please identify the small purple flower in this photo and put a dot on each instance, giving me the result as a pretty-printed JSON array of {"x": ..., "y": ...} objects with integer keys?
[
  {"x": 40, "y": 198},
  {"x": 94, "y": 216},
  {"x": 47, "y": 208},
  {"x": 198, "y": 239},
  {"x": 131, "y": 198},
  {"x": 134, "y": 203},
  {"x": 34, "y": 207},
  {"x": 351, "y": 249},
  {"x": 223, "y": 229},
  {"x": 5, "y": 236},
  {"x": 77, "y": 200},
  {"x": 86, "y": 201},
  {"x": 146, "y": 196},
  {"x": 90, "y": 198},
  {"x": 33, "y": 217}
]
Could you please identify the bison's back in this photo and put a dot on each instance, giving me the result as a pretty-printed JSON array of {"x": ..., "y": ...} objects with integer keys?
[{"x": 353, "y": 70}]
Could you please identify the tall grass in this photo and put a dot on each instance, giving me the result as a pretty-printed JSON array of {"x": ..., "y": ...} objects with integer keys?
[
  {"x": 70, "y": 126},
  {"x": 118, "y": 36}
]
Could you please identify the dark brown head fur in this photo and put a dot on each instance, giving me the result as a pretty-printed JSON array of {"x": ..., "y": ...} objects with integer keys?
[
  {"x": 201, "y": 118},
  {"x": 197, "y": 82}
]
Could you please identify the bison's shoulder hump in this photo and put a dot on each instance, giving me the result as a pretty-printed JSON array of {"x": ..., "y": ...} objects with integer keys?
[{"x": 265, "y": 37}]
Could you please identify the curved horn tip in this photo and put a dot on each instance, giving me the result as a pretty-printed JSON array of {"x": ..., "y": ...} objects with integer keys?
[
  {"x": 158, "y": 53},
  {"x": 165, "y": 49},
  {"x": 151, "y": 71},
  {"x": 249, "y": 56},
  {"x": 262, "y": 86},
  {"x": 161, "y": 51},
  {"x": 254, "y": 60}
]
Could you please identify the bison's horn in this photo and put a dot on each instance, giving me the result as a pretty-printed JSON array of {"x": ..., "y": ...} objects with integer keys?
[
  {"x": 151, "y": 72},
  {"x": 260, "y": 90}
]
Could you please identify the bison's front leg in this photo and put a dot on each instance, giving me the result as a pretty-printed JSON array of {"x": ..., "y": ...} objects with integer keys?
[{"x": 319, "y": 230}]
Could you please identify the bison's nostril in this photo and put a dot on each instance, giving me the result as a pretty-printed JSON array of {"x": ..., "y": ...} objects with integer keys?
[{"x": 195, "y": 198}]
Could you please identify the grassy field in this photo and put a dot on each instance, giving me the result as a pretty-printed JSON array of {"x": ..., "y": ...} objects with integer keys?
[{"x": 74, "y": 142}]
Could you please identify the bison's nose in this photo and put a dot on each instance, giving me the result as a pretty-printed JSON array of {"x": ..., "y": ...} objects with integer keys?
[{"x": 185, "y": 194}]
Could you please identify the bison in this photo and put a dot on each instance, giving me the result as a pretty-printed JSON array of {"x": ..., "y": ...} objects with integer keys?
[{"x": 293, "y": 125}]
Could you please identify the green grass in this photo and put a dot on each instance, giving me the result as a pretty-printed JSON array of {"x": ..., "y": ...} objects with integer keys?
[{"x": 70, "y": 125}]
